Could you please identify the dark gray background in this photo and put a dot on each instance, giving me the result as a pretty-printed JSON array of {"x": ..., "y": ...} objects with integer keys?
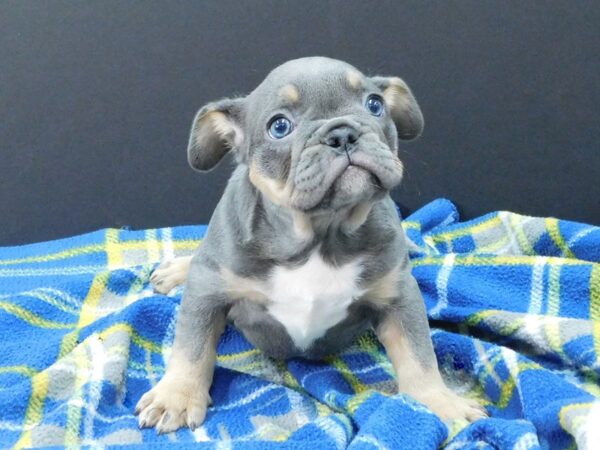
[{"x": 96, "y": 100}]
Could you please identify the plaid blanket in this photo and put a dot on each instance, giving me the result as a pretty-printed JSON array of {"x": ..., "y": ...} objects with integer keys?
[{"x": 514, "y": 302}]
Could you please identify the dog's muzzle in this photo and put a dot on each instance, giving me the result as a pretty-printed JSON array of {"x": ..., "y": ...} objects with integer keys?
[{"x": 343, "y": 163}]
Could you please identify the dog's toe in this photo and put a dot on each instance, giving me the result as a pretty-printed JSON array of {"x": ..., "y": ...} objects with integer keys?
[
  {"x": 144, "y": 402},
  {"x": 195, "y": 417},
  {"x": 149, "y": 417},
  {"x": 170, "y": 274},
  {"x": 474, "y": 410},
  {"x": 171, "y": 421},
  {"x": 171, "y": 405},
  {"x": 450, "y": 406}
]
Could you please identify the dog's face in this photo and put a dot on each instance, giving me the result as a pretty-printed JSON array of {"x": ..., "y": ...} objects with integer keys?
[{"x": 316, "y": 134}]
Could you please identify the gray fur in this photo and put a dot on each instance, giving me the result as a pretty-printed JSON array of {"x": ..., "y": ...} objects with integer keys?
[
  {"x": 252, "y": 231},
  {"x": 249, "y": 234}
]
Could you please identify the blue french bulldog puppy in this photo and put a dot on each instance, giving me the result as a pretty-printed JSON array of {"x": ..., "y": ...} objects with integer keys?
[{"x": 305, "y": 250}]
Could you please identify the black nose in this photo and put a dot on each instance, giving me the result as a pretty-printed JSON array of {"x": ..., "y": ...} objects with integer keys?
[{"x": 342, "y": 137}]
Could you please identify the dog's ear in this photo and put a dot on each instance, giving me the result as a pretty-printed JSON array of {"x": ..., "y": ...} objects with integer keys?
[
  {"x": 403, "y": 107},
  {"x": 217, "y": 128}
]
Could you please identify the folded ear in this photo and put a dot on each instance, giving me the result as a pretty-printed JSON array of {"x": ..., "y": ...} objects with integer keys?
[
  {"x": 404, "y": 109},
  {"x": 216, "y": 129}
]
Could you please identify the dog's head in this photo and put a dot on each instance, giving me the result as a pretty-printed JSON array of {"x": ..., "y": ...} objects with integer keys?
[{"x": 316, "y": 134}]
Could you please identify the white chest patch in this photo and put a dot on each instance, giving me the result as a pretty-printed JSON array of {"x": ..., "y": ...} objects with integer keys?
[{"x": 311, "y": 298}]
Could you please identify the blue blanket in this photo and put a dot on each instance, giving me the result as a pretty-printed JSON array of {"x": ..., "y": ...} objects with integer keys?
[{"x": 514, "y": 302}]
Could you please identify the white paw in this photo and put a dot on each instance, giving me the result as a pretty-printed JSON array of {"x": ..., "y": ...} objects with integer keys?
[
  {"x": 450, "y": 406},
  {"x": 170, "y": 274},
  {"x": 172, "y": 404}
]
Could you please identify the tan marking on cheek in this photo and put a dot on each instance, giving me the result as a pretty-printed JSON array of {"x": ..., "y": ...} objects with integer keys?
[
  {"x": 354, "y": 79},
  {"x": 242, "y": 288},
  {"x": 384, "y": 290},
  {"x": 279, "y": 193},
  {"x": 274, "y": 190},
  {"x": 357, "y": 216},
  {"x": 302, "y": 225},
  {"x": 290, "y": 93},
  {"x": 412, "y": 376}
]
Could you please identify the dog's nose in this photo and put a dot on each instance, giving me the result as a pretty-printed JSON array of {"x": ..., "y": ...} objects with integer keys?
[{"x": 341, "y": 138}]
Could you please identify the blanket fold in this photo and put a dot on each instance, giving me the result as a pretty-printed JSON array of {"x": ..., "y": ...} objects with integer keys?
[{"x": 514, "y": 302}]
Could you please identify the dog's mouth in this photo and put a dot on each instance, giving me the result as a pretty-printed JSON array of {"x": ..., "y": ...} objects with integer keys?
[
  {"x": 355, "y": 184},
  {"x": 346, "y": 180},
  {"x": 355, "y": 177}
]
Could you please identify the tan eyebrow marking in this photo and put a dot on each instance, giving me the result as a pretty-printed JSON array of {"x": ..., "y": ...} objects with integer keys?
[
  {"x": 354, "y": 79},
  {"x": 290, "y": 93}
]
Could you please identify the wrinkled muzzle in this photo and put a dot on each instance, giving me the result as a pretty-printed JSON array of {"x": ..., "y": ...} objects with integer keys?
[{"x": 343, "y": 163}]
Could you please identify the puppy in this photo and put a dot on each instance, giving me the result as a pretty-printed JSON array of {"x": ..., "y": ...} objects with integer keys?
[{"x": 305, "y": 250}]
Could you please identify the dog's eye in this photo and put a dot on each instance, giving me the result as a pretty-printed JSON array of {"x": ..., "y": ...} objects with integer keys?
[
  {"x": 375, "y": 105},
  {"x": 279, "y": 127}
]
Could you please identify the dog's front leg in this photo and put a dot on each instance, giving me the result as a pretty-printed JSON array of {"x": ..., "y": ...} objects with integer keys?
[
  {"x": 182, "y": 395},
  {"x": 404, "y": 332}
]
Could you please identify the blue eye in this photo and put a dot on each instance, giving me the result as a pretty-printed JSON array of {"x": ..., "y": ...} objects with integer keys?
[
  {"x": 280, "y": 127},
  {"x": 375, "y": 105}
]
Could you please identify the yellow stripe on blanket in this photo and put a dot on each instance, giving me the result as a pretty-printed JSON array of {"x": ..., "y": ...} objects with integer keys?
[
  {"x": 467, "y": 231},
  {"x": 554, "y": 232},
  {"x": 34, "y": 413},
  {"x": 64, "y": 254},
  {"x": 32, "y": 318},
  {"x": 476, "y": 260}
]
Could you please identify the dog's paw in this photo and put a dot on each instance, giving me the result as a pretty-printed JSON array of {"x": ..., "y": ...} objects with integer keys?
[
  {"x": 172, "y": 404},
  {"x": 170, "y": 274},
  {"x": 450, "y": 406}
]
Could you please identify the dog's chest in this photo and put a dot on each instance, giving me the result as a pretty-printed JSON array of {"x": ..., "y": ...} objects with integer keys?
[{"x": 310, "y": 299}]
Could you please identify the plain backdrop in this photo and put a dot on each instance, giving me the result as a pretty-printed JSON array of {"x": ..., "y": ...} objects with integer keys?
[{"x": 97, "y": 98}]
